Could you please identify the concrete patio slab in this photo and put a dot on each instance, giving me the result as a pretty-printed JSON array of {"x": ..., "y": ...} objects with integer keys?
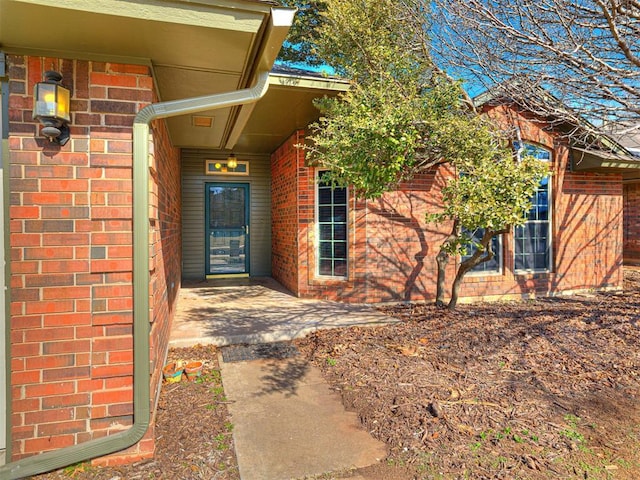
[
  {"x": 288, "y": 424},
  {"x": 257, "y": 310}
]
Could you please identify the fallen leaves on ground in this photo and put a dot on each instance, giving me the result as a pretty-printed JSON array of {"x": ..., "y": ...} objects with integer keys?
[
  {"x": 193, "y": 431},
  {"x": 535, "y": 390}
]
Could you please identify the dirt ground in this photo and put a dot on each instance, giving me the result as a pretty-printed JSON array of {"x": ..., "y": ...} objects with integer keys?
[
  {"x": 531, "y": 390},
  {"x": 545, "y": 389},
  {"x": 191, "y": 443}
]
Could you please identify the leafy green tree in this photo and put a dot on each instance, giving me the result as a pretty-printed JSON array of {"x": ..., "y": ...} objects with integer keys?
[
  {"x": 298, "y": 47},
  {"x": 491, "y": 194},
  {"x": 403, "y": 116},
  {"x": 400, "y": 114}
]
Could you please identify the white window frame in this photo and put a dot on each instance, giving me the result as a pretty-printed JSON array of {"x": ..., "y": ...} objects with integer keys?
[
  {"x": 316, "y": 189},
  {"x": 518, "y": 146}
]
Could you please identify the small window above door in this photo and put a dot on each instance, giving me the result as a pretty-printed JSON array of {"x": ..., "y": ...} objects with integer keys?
[{"x": 221, "y": 167}]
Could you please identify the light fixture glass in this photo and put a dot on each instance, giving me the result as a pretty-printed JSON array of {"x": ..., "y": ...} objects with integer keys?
[
  {"x": 51, "y": 107},
  {"x": 232, "y": 162}
]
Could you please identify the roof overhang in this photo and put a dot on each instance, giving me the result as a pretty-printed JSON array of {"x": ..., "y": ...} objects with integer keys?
[
  {"x": 583, "y": 160},
  {"x": 195, "y": 47},
  {"x": 287, "y": 107}
]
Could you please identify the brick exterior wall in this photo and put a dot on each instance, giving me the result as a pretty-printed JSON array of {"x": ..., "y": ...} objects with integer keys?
[
  {"x": 286, "y": 163},
  {"x": 392, "y": 250},
  {"x": 71, "y": 257},
  {"x": 632, "y": 223}
]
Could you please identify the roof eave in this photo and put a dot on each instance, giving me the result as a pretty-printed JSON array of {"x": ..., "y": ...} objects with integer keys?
[{"x": 583, "y": 160}]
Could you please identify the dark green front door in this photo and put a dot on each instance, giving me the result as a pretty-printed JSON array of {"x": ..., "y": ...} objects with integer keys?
[{"x": 227, "y": 228}]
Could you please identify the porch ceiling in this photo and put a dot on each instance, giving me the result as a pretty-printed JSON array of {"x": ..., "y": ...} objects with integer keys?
[
  {"x": 287, "y": 107},
  {"x": 196, "y": 47}
]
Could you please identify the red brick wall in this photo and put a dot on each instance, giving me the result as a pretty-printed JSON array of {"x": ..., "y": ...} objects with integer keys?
[
  {"x": 401, "y": 247},
  {"x": 165, "y": 253},
  {"x": 286, "y": 162},
  {"x": 632, "y": 223},
  {"x": 392, "y": 250},
  {"x": 71, "y": 256}
]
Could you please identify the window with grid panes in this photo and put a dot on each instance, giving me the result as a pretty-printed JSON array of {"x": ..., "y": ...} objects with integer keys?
[
  {"x": 331, "y": 219},
  {"x": 532, "y": 241}
]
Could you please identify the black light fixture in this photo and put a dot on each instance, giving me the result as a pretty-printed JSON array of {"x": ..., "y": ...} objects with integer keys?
[{"x": 51, "y": 107}]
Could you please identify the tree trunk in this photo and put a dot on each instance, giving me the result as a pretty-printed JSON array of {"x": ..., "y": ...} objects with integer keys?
[
  {"x": 442, "y": 259},
  {"x": 476, "y": 259},
  {"x": 455, "y": 290}
]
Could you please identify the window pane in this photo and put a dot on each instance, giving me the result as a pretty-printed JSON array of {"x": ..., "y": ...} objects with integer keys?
[
  {"x": 540, "y": 261},
  {"x": 332, "y": 230},
  {"x": 519, "y": 246},
  {"x": 324, "y": 214},
  {"x": 340, "y": 268},
  {"x": 326, "y": 250},
  {"x": 544, "y": 229},
  {"x": 325, "y": 267},
  {"x": 340, "y": 195},
  {"x": 533, "y": 150},
  {"x": 492, "y": 265},
  {"x": 541, "y": 245},
  {"x": 543, "y": 213},
  {"x": 325, "y": 232},
  {"x": 324, "y": 196},
  {"x": 226, "y": 207}
]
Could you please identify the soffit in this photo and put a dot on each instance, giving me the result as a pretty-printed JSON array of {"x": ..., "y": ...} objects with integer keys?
[
  {"x": 583, "y": 160},
  {"x": 287, "y": 107},
  {"x": 195, "y": 47}
]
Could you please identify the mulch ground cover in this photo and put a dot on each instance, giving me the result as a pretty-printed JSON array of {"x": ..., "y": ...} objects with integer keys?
[
  {"x": 194, "y": 438},
  {"x": 544, "y": 389},
  {"x": 533, "y": 390}
]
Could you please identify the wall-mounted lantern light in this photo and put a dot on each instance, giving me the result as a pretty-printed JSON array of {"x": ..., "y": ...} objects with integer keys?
[
  {"x": 51, "y": 107},
  {"x": 232, "y": 162}
]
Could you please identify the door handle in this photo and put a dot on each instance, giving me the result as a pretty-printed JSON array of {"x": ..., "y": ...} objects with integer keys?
[{"x": 246, "y": 229}]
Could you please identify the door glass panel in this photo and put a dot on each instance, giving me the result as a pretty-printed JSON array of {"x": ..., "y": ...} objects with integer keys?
[{"x": 227, "y": 229}]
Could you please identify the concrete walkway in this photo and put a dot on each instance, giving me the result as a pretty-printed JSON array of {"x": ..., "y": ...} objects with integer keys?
[
  {"x": 288, "y": 424},
  {"x": 234, "y": 311}
]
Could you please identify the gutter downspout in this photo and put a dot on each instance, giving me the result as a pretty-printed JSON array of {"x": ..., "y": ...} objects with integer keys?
[
  {"x": 5, "y": 373},
  {"x": 56, "y": 459},
  {"x": 141, "y": 392}
]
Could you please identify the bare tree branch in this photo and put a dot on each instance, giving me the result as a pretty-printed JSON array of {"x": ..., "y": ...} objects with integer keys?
[{"x": 585, "y": 53}]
